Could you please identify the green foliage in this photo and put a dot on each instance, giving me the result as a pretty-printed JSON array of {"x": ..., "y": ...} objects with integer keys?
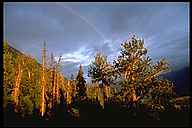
[
  {"x": 26, "y": 106},
  {"x": 140, "y": 77},
  {"x": 8, "y": 73},
  {"x": 29, "y": 87},
  {"x": 100, "y": 69},
  {"x": 133, "y": 72},
  {"x": 136, "y": 74},
  {"x": 80, "y": 84}
]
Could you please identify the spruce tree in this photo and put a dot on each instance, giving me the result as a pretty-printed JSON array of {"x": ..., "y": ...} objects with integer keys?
[{"x": 80, "y": 84}]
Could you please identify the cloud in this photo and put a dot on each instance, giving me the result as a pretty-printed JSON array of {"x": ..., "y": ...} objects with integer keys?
[
  {"x": 78, "y": 30},
  {"x": 81, "y": 56},
  {"x": 71, "y": 61},
  {"x": 85, "y": 55}
]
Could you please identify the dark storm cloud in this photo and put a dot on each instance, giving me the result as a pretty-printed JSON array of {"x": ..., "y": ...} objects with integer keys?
[{"x": 76, "y": 31}]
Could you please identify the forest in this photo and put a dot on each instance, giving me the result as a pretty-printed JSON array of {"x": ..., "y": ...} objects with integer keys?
[{"x": 131, "y": 91}]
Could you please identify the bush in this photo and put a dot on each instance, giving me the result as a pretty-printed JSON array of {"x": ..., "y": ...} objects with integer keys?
[{"x": 27, "y": 106}]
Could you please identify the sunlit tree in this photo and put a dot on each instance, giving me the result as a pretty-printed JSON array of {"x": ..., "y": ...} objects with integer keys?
[
  {"x": 101, "y": 71},
  {"x": 29, "y": 88},
  {"x": 43, "y": 81},
  {"x": 140, "y": 77},
  {"x": 21, "y": 76},
  {"x": 19, "y": 69},
  {"x": 8, "y": 74}
]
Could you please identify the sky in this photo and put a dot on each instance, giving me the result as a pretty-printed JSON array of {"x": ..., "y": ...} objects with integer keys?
[{"x": 76, "y": 31}]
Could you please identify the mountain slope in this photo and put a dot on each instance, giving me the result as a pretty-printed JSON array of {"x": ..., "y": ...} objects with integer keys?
[{"x": 181, "y": 79}]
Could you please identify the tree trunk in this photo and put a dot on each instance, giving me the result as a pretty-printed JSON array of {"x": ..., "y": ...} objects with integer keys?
[
  {"x": 43, "y": 81},
  {"x": 17, "y": 86}
]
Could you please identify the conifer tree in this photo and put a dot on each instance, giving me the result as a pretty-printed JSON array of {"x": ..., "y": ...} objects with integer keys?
[
  {"x": 8, "y": 74},
  {"x": 140, "y": 77},
  {"x": 101, "y": 71},
  {"x": 80, "y": 84},
  {"x": 18, "y": 78},
  {"x": 29, "y": 86}
]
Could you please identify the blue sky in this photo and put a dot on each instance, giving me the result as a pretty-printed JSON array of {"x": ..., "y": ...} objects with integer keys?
[{"x": 77, "y": 30}]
